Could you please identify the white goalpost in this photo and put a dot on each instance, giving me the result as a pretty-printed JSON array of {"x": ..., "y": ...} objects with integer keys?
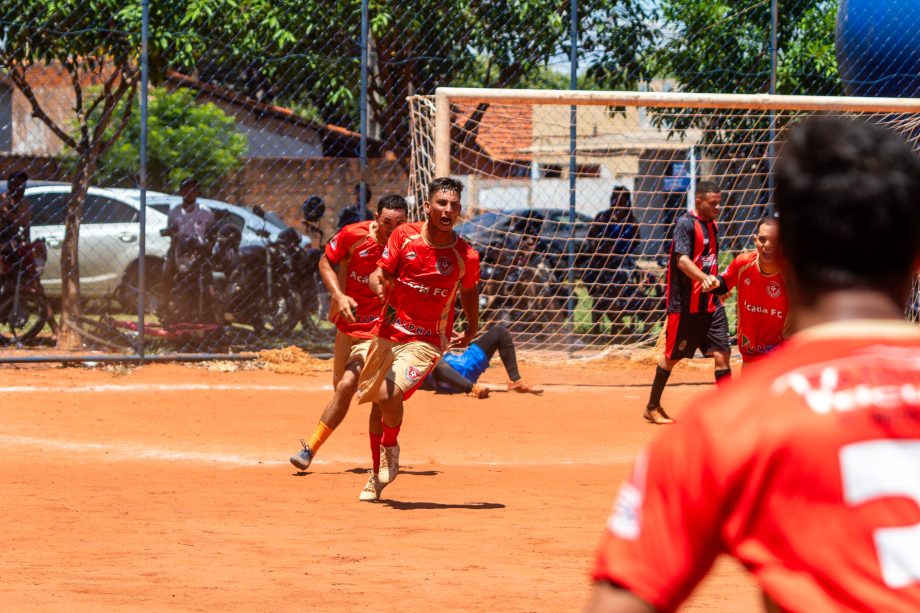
[{"x": 574, "y": 232}]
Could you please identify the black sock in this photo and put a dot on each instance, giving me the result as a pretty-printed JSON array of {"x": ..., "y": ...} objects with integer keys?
[
  {"x": 661, "y": 379},
  {"x": 725, "y": 373}
]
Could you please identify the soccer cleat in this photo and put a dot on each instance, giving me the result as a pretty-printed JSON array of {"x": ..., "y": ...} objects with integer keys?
[
  {"x": 657, "y": 415},
  {"x": 302, "y": 458},
  {"x": 372, "y": 489},
  {"x": 389, "y": 464},
  {"x": 523, "y": 387}
]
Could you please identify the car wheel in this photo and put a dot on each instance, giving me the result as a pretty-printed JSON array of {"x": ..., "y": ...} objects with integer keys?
[{"x": 127, "y": 292}]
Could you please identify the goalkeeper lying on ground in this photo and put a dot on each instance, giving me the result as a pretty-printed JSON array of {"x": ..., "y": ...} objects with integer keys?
[{"x": 457, "y": 373}]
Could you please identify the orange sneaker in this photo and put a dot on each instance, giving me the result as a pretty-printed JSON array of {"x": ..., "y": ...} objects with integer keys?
[
  {"x": 657, "y": 416},
  {"x": 521, "y": 386}
]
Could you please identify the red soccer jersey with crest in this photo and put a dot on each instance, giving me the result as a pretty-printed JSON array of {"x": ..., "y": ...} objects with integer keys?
[
  {"x": 807, "y": 471},
  {"x": 356, "y": 243},
  {"x": 420, "y": 305},
  {"x": 763, "y": 305}
]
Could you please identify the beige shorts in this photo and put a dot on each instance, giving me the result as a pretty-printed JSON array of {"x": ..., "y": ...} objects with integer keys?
[
  {"x": 405, "y": 364},
  {"x": 348, "y": 349}
]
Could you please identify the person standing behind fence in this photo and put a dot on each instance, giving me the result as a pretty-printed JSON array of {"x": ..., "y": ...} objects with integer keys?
[
  {"x": 354, "y": 309},
  {"x": 763, "y": 301},
  {"x": 696, "y": 317},
  {"x": 808, "y": 471},
  {"x": 353, "y": 212},
  {"x": 611, "y": 241}
]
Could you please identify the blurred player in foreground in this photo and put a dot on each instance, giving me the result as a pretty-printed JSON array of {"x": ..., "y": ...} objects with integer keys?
[
  {"x": 458, "y": 373},
  {"x": 763, "y": 302},
  {"x": 808, "y": 470},
  {"x": 696, "y": 317},
  {"x": 420, "y": 272},
  {"x": 355, "y": 310}
]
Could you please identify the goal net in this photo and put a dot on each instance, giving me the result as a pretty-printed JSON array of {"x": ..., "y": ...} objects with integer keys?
[{"x": 570, "y": 196}]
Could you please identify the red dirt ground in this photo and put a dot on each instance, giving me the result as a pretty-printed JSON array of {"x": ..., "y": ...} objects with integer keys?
[{"x": 132, "y": 489}]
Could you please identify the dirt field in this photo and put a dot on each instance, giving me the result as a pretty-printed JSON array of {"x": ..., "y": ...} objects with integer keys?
[{"x": 168, "y": 487}]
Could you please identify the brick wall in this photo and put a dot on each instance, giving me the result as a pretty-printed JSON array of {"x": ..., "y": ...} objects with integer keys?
[{"x": 282, "y": 184}]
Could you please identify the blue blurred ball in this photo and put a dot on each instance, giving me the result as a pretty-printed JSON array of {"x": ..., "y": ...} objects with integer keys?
[{"x": 878, "y": 47}]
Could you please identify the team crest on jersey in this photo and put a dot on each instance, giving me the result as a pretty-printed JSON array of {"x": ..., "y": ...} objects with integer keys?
[
  {"x": 365, "y": 253},
  {"x": 747, "y": 281},
  {"x": 386, "y": 253},
  {"x": 411, "y": 255},
  {"x": 413, "y": 374},
  {"x": 444, "y": 265},
  {"x": 773, "y": 290},
  {"x": 334, "y": 242}
]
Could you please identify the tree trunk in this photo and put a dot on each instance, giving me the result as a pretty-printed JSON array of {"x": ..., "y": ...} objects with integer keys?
[{"x": 68, "y": 337}]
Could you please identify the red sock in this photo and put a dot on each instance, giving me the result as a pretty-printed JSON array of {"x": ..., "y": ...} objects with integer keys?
[
  {"x": 375, "y": 450},
  {"x": 389, "y": 435}
]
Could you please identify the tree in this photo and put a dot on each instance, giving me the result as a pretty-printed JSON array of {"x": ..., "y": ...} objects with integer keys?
[
  {"x": 183, "y": 138},
  {"x": 418, "y": 45},
  {"x": 719, "y": 46},
  {"x": 99, "y": 42}
]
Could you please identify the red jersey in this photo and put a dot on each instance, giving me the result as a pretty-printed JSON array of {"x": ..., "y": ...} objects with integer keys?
[
  {"x": 762, "y": 306},
  {"x": 815, "y": 489},
  {"x": 356, "y": 243},
  {"x": 420, "y": 305}
]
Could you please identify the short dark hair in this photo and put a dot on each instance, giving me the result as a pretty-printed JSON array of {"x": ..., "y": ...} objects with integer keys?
[
  {"x": 765, "y": 219},
  {"x": 188, "y": 181},
  {"x": 394, "y": 202},
  {"x": 367, "y": 192},
  {"x": 620, "y": 196},
  {"x": 848, "y": 198},
  {"x": 19, "y": 175},
  {"x": 707, "y": 187},
  {"x": 445, "y": 184}
]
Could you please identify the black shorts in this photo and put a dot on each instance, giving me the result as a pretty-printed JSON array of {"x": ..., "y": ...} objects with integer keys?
[{"x": 687, "y": 332}]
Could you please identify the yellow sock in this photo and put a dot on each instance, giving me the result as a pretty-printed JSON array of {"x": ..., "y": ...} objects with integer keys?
[{"x": 320, "y": 434}]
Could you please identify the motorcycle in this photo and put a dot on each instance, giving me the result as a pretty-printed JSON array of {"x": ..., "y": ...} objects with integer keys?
[
  {"x": 24, "y": 308},
  {"x": 192, "y": 295},
  {"x": 261, "y": 289}
]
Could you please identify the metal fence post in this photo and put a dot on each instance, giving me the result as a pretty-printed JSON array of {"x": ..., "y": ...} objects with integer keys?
[
  {"x": 573, "y": 167},
  {"x": 365, "y": 36},
  {"x": 142, "y": 239}
]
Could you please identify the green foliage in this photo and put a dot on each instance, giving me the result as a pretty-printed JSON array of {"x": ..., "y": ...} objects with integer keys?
[
  {"x": 183, "y": 138},
  {"x": 724, "y": 46}
]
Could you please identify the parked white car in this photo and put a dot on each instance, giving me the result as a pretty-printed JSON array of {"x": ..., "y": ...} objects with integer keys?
[{"x": 109, "y": 238}]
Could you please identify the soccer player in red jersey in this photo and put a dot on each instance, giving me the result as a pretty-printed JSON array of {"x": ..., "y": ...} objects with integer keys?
[
  {"x": 808, "y": 470},
  {"x": 763, "y": 302},
  {"x": 354, "y": 309},
  {"x": 419, "y": 275},
  {"x": 696, "y": 317}
]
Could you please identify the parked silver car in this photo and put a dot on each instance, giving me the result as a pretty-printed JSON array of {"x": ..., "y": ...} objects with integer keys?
[{"x": 109, "y": 239}]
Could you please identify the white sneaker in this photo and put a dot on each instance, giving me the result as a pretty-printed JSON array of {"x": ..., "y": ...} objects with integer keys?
[
  {"x": 372, "y": 489},
  {"x": 389, "y": 464}
]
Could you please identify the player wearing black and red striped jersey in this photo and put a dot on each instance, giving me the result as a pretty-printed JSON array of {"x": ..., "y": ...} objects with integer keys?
[{"x": 696, "y": 318}]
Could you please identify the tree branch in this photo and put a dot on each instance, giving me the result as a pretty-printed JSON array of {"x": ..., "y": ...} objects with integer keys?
[
  {"x": 106, "y": 88},
  {"x": 18, "y": 77},
  {"x": 111, "y": 102},
  {"x": 125, "y": 117}
]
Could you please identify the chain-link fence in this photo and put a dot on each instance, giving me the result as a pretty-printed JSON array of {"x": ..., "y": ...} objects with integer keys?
[{"x": 187, "y": 164}]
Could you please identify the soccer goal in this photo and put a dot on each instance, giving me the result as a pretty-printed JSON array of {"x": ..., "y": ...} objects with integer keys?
[{"x": 570, "y": 195}]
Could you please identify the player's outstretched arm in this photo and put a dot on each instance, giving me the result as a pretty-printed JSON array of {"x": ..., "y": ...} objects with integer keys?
[
  {"x": 686, "y": 266},
  {"x": 612, "y": 599},
  {"x": 379, "y": 281},
  {"x": 341, "y": 305}
]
